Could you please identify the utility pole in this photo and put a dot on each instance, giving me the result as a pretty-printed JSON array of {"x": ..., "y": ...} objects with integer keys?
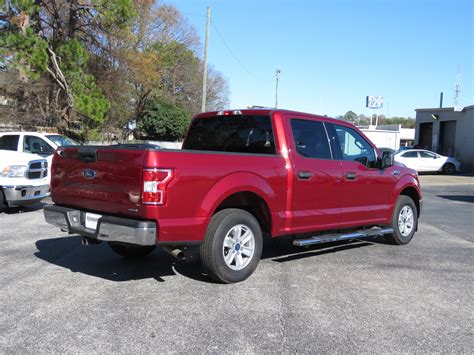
[
  {"x": 277, "y": 75},
  {"x": 206, "y": 44}
]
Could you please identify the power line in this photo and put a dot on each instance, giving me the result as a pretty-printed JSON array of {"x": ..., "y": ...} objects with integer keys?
[
  {"x": 235, "y": 57},
  {"x": 191, "y": 14}
]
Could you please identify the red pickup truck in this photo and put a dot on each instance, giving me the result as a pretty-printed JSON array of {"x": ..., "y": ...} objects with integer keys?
[{"x": 240, "y": 176}]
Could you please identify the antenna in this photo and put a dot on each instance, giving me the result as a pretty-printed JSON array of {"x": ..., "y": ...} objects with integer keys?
[{"x": 457, "y": 90}]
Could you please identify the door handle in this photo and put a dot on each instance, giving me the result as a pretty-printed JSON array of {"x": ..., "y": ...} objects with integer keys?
[
  {"x": 304, "y": 175},
  {"x": 351, "y": 175}
]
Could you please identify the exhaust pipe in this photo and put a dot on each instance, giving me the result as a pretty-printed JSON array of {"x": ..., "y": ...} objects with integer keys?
[
  {"x": 175, "y": 252},
  {"x": 90, "y": 241}
]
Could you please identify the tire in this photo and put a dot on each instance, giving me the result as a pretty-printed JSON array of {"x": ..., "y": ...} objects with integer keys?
[
  {"x": 404, "y": 221},
  {"x": 131, "y": 251},
  {"x": 232, "y": 246},
  {"x": 3, "y": 200},
  {"x": 449, "y": 169}
]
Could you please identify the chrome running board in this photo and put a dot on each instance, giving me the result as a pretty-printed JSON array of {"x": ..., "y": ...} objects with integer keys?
[{"x": 327, "y": 238}]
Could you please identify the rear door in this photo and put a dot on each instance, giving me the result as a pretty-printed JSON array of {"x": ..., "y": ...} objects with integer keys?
[
  {"x": 412, "y": 160},
  {"x": 366, "y": 189},
  {"x": 429, "y": 161},
  {"x": 317, "y": 178}
]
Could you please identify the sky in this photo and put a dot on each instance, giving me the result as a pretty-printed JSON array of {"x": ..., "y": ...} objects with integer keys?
[{"x": 332, "y": 54}]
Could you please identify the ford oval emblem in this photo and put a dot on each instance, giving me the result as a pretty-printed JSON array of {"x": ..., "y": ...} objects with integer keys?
[{"x": 89, "y": 173}]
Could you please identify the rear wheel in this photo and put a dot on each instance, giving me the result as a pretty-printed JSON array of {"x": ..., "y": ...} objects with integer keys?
[
  {"x": 404, "y": 221},
  {"x": 449, "y": 169},
  {"x": 232, "y": 247},
  {"x": 131, "y": 251},
  {"x": 3, "y": 200}
]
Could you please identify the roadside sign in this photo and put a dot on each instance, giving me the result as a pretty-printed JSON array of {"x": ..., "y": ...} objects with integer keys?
[{"x": 374, "y": 102}]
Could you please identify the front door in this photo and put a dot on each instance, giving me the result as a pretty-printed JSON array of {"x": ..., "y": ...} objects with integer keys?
[
  {"x": 317, "y": 178},
  {"x": 366, "y": 190}
]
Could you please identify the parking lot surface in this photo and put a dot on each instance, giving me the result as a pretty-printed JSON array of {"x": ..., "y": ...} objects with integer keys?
[{"x": 360, "y": 296}]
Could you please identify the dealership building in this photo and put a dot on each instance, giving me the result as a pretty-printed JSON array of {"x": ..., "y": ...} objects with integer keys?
[{"x": 447, "y": 132}]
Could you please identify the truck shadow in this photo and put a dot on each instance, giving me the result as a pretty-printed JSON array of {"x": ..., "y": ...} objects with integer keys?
[
  {"x": 100, "y": 261},
  {"x": 461, "y": 198},
  {"x": 282, "y": 250}
]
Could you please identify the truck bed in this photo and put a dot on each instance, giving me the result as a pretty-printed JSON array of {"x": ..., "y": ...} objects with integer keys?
[{"x": 199, "y": 178}]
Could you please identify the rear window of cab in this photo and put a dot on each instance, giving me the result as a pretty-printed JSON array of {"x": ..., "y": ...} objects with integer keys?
[{"x": 231, "y": 133}]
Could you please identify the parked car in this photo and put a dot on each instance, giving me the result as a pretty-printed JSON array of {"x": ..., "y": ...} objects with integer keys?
[
  {"x": 43, "y": 144},
  {"x": 426, "y": 161},
  {"x": 24, "y": 178},
  {"x": 241, "y": 176}
]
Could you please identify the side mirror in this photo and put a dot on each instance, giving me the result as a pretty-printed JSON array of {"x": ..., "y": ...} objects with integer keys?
[{"x": 386, "y": 161}]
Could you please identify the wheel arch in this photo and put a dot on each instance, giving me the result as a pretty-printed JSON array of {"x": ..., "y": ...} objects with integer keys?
[
  {"x": 408, "y": 185},
  {"x": 412, "y": 192},
  {"x": 246, "y": 191},
  {"x": 252, "y": 203}
]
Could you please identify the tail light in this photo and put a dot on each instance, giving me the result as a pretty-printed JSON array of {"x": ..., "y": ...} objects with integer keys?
[{"x": 155, "y": 183}]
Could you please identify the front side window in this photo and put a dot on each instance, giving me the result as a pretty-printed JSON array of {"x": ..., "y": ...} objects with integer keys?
[
  {"x": 310, "y": 138},
  {"x": 36, "y": 145},
  {"x": 354, "y": 147},
  {"x": 232, "y": 133}
]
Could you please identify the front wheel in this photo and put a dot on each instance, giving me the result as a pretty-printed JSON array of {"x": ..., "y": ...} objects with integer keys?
[
  {"x": 131, "y": 251},
  {"x": 404, "y": 221},
  {"x": 449, "y": 169},
  {"x": 232, "y": 247}
]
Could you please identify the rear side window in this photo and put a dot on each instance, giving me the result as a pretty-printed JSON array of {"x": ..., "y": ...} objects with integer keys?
[
  {"x": 9, "y": 142},
  {"x": 410, "y": 155},
  {"x": 239, "y": 134},
  {"x": 427, "y": 155},
  {"x": 311, "y": 140}
]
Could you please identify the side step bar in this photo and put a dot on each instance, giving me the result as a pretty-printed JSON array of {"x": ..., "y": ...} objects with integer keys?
[{"x": 326, "y": 238}]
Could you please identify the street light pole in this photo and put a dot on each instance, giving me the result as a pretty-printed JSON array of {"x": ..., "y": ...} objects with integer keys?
[
  {"x": 206, "y": 44},
  {"x": 277, "y": 75}
]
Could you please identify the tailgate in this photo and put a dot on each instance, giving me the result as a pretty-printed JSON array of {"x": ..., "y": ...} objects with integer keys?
[{"x": 105, "y": 179}]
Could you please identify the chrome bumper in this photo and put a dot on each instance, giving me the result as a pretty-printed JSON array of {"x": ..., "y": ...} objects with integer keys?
[
  {"x": 109, "y": 228},
  {"x": 25, "y": 194}
]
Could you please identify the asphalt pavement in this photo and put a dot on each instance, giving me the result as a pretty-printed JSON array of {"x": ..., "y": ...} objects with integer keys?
[{"x": 362, "y": 296}]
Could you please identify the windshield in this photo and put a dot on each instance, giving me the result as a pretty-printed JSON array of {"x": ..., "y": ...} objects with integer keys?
[
  {"x": 61, "y": 140},
  {"x": 233, "y": 133}
]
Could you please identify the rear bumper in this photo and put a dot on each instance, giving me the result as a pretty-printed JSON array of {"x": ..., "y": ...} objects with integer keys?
[
  {"x": 109, "y": 228},
  {"x": 25, "y": 194}
]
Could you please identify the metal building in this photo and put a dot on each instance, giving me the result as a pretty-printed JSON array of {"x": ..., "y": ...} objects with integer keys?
[{"x": 447, "y": 132}]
